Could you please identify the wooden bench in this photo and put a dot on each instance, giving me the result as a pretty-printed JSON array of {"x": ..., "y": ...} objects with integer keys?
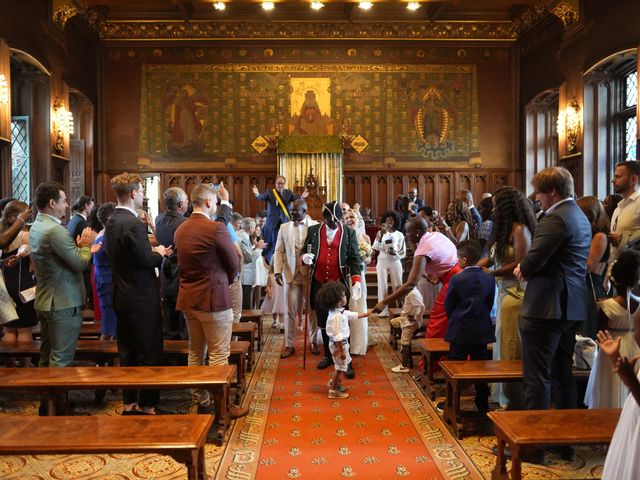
[
  {"x": 460, "y": 374},
  {"x": 52, "y": 381},
  {"x": 256, "y": 317},
  {"x": 181, "y": 437},
  {"x": 87, "y": 330},
  {"x": 432, "y": 350},
  {"x": 105, "y": 351},
  {"x": 541, "y": 428},
  {"x": 247, "y": 331}
]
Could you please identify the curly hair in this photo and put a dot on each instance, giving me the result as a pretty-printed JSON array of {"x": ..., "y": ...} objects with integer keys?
[
  {"x": 625, "y": 272},
  {"x": 462, "y": 213},
  {"x": 329, "y": 295},
  {"x": 594, "y": 211},
  {"x": 511, "y": 206},
  {"x": 394, "y": 215}
]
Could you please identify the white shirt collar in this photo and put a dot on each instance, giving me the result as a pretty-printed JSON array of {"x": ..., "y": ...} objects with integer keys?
[
  {"x": 555, "y": 205},
  {"x": 200, "y": 213},
  {"x": 129, "y": 209},
  {"x": 57, "y": 220},
  {"x": 78, "y": 213}
]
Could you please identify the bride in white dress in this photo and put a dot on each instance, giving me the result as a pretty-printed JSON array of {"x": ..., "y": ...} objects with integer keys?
[{"x": 360, "y": 327}]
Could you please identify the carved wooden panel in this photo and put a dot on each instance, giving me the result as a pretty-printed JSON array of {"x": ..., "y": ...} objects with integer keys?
[
  {"x": 429, "y": 195},
  {"x": 380, "y": 197}
]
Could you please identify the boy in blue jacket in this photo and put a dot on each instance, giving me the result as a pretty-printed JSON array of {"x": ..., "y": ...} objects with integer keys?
[{"x": 468, "y": 305}]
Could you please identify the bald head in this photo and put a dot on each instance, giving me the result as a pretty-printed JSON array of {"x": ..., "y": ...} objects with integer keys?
[
  {"x": 416, "y": 227},
  {"x": 298, "y": 210}
]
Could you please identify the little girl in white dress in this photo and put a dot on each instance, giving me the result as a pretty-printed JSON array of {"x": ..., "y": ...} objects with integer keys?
[{"x": 605, "y": 389}]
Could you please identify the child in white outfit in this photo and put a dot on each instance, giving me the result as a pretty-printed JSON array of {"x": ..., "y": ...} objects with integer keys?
[
  {"x": 410, "y": 320},
  {"x": 332, "y": 297}
]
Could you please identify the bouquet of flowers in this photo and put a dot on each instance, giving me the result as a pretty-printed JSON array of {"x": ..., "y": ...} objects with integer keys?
[{"x": 365, "y": 250}]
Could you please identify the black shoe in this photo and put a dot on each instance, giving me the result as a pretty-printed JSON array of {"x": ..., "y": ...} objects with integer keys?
[
  {"x": 440, "y": 409},
  {"x": 350, "y": 373},
  {"x": 324, "y": 363},
  {"x": 127, "y": 413}
]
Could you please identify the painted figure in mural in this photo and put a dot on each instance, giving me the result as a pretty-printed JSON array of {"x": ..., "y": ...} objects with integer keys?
[
  {"x": 185, "y": 123},
  {"x": 433, "y": 118},
  {"x": 311, "y": 121}
]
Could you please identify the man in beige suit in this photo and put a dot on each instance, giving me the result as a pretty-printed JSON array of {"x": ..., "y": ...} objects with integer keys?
[
  {"x": 288, "y": 270},
  {"x": 60, "y": 261}
]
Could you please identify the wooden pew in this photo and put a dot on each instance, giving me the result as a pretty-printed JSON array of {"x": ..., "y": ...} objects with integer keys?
[
  {"x": 104, "y": 351},
  {"x": 541, "y": 428},
  {"x": 432, "y": 350},
  {"x": 181, "y": 437},
  {"x": 52, "y": 381},
  {"x": 87, "y": 330},
  {"x": 256, "y": 317},
  {"x": 246, "y": 331},
  {"x": 460, "y": 374}
]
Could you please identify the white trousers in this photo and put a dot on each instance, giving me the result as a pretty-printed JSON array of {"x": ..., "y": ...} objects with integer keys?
[
  {"x": 295, "y": 309},
  {"x": 209, "y": 332},
  {"x": 385, "y": 267}
]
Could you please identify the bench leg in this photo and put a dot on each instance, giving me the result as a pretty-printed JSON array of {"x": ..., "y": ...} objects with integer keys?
[
  {"x": 500, "y": 470},
  {"x": 221, "y": 410},
  {"x": 452, "y": 407},
  {"x": 516, "y": 463}
]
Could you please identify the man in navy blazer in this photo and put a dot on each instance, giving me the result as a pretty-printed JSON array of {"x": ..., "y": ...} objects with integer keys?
[
  {"x": 468, "y": 305},
  {"x": 556, "y": 296},
  {"x": 278, "y": 201}
]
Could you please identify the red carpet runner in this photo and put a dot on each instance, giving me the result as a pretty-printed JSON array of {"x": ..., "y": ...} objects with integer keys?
[{"x": 385, "y": 429}]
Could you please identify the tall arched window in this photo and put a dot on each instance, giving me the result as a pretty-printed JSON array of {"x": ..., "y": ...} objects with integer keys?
[
  {"x": 610, "y": 119},
  {"x": 541, "y": 133}
]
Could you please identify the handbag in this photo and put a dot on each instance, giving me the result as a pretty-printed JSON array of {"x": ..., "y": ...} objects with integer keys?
[
  {"x": 584, "y": 353},
  {"x": 27, "y": 295}
]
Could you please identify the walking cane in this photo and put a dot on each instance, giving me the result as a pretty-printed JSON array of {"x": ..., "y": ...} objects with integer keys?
[{"x": 306, "y": 311}]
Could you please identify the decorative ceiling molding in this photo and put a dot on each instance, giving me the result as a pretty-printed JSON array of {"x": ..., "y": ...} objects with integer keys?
[
  {"x": 568, "y": 12},
  {"x": 297, "y": 30}
]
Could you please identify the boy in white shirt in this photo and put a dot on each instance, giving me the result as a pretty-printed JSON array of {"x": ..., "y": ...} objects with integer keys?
[
  {"x": 409, "y": 321},
  {"x": 333, "y": 298}
]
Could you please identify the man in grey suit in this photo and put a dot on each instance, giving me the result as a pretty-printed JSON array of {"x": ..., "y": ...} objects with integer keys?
[
  {"x": 555, "y": 300},
  {"x": 176, "y": 203},
  {"x": 60, "y": 261}
]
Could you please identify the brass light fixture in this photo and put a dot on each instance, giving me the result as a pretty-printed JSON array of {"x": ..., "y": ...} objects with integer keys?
[
  {"x": 62, "y": 124},
  {"x": 4, "y": 89},
  {"x": 570, "y": 122}
]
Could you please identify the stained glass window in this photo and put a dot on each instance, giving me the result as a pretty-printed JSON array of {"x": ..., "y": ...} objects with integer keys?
[
  {"x": 20, "y": 159},
  {"x": 631, "y": 144},
  {"x": 631, "y": 89}
]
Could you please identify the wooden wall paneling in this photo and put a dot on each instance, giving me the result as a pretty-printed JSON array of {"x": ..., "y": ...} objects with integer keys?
[
  {"x": 76, "y": 171},
  {"x": 500, "y": 180},
  {"x": 350, "y": 189},
  {"x": 480, "y": 186},
  {"x": 445, "y": 191},
  {"x": 429, "y": 193},
  {"x": 237, "y": 195},
  {"x": 366, "y": 199},
  {"x": 399, "y": 187},
  {"x": 254, "y": 204},
  {"x": 380, "y": 195}
]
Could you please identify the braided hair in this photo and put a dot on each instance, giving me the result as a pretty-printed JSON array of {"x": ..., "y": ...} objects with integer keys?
[{"x": 511, "y": 206}]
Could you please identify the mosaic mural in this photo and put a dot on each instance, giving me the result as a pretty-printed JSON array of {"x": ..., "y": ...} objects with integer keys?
[{"x": 194, "y": 112}]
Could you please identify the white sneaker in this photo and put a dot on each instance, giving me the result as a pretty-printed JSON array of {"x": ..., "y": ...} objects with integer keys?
[
  {"x": 400, "y": 369},
  {"x": 337, "y": 394}
]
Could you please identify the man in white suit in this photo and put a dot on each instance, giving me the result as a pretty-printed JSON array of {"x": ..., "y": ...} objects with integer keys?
[{"x": 290, "y": 272}]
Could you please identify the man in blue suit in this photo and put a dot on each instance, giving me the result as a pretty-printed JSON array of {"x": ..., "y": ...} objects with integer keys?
[
  {"x": 555, "y": 300},
  {"x": 278, "y": 200}
]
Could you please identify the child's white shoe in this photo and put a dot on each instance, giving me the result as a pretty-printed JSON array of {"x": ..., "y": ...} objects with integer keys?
[{"x": 400, "y": 369}]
